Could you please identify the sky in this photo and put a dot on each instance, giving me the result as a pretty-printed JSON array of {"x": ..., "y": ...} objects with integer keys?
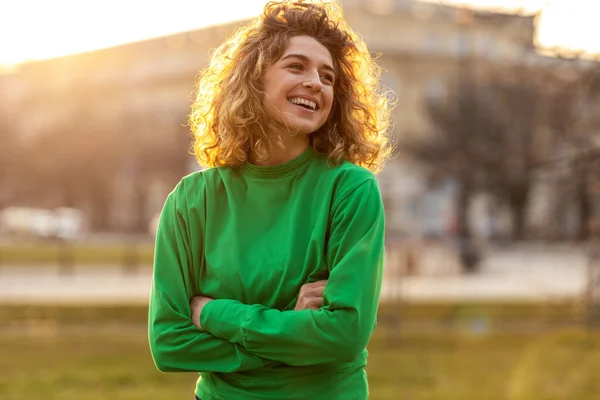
[{"x": 40, "y": 29}]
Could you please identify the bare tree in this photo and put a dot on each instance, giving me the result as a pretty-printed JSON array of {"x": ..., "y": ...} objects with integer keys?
[
  {"x": 574, "y": 120},
  {"x": 491, "y": 141}
]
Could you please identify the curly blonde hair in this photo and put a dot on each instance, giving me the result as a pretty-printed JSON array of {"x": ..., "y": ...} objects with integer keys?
[{"x": 228, "y": 117}]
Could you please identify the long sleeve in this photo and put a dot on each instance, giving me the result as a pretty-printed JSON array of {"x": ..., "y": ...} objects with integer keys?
[
  {"x": 176, "y": 344},
  {"x": 341, "y": 329}
]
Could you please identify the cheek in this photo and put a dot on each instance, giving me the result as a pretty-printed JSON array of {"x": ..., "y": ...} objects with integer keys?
[
  {"x": 330, "y": 105},
  {"x": 274, "y": 98},
  {"x": 330, "y": 97},
  {"x": 270, "y": 100}
]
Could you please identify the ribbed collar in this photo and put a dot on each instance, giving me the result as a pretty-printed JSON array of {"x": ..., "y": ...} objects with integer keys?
[{"x": 288, "y": 168}]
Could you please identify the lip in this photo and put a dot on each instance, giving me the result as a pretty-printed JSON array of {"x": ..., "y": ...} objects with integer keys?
[{"x": 309, "y": 98}]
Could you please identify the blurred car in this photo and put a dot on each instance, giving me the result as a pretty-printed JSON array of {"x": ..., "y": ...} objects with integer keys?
[{"x": 60, "y": 223}]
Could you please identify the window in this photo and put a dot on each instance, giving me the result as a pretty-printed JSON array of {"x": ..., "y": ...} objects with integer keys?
[
  {"x": 462, "y": 42},
  {"x": 485, "y": 45},
  {"x": 435, "y": 90},
  {"x": 432, "y": 43}
]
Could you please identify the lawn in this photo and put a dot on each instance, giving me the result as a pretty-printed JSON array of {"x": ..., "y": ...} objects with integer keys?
[
  {"x": 70, "y": 356},
  {"x": 80, "y": 254}
]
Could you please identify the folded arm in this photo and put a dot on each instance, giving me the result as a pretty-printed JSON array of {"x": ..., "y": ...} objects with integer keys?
[
  {"x": 341, "y": 329},
  {"x": 176, "y": 344}
]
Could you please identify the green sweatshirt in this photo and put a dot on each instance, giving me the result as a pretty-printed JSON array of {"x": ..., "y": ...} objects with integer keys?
[{"x": 250, "y": 237}]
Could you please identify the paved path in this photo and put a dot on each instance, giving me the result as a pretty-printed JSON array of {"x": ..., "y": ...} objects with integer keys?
[
  {"x": 89, "y": 284},
  {"x": 505, "y": 275}
]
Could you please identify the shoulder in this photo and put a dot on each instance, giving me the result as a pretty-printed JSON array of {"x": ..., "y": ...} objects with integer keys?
[
  {"x": 355, "y": 194},
  {"x": 191, "y": 190},
  {"x": 346, "y": 178},
  {"x": 190, "y": 185},
  {"x": 353, "y": 175}
]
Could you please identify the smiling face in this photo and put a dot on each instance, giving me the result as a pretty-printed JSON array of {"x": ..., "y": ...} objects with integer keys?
[{"x": 299, "y": 86}]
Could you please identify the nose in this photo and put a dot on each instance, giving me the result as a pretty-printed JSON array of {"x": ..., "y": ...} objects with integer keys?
[{"x": 313, "y": 81}]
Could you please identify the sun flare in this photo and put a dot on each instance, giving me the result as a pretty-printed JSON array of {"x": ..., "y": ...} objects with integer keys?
[{"x": 37, "y": 29}]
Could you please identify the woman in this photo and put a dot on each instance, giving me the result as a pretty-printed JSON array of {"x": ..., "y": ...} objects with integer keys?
[{"x": 268, "y": 265}]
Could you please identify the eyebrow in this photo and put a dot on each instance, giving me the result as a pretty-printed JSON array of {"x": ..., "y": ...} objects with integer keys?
[{"x": 306, "y": 59}]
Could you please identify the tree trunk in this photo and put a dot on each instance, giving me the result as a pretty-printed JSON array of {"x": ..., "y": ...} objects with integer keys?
[
  {"x": 467, "y": 251},
  {"x": 69, "y": 193},
  {"x": 100, "y": 201},
  {"x": 519, "y": 199},
  {"x": 140, "y": 224},
  {"x": 463, "y": 230},
  {"x": 585, "y": 208}
]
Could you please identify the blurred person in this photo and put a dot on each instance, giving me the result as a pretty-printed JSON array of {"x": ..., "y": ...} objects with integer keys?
[{"x": 268, "y": 264}]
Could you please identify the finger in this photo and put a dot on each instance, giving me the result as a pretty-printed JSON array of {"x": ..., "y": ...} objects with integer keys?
[
  {"x": 301, "y": 305},
  {"x": 315, "y": 303},
  {"x": 315, "y": 284},
  {"x": 316, "y": 291},
  {"x": 309, "y": 302}
]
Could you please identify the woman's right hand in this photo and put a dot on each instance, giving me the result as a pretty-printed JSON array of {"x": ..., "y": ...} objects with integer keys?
[{"x": 311, "y": 296}]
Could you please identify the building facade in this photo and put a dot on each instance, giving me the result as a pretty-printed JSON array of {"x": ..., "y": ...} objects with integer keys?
[{"x": 145, "y": 88}]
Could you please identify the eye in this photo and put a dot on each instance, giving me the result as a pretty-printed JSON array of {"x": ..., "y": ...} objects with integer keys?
[
  {"x": 297, "y": 66},
  {"x": 328, "y": 78}
]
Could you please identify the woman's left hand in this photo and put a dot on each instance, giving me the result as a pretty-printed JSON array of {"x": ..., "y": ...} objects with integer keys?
[{"x": 197, "y": 304}]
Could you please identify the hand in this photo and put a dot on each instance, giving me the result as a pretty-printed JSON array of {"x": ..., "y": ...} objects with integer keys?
[
  {"x": 311, "y": 296},
  {"x": 197, "y": 304}
]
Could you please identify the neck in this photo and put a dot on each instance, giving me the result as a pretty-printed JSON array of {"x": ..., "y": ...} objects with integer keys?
[{"x": 281, "y": 154}]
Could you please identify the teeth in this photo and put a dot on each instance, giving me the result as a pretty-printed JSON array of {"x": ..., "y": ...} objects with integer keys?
[{"x": 298, "y": 100}]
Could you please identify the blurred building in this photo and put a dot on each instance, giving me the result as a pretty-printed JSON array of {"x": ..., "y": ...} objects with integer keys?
[
  {"x": 143, "y": 90},
  {"x": 425, "y": 50},
  {"x": 139, "y": 93}
]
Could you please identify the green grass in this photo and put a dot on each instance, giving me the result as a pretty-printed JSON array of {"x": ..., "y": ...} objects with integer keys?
[
  {"x": 443, "y": 315},
  {"x": 57, "y": 365},
  {"x": 82, "y": 353},
  {"x": 557, "y": 365},
  {"x": 69, "y": 364},
  {"x": 80, "y": 254}
]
